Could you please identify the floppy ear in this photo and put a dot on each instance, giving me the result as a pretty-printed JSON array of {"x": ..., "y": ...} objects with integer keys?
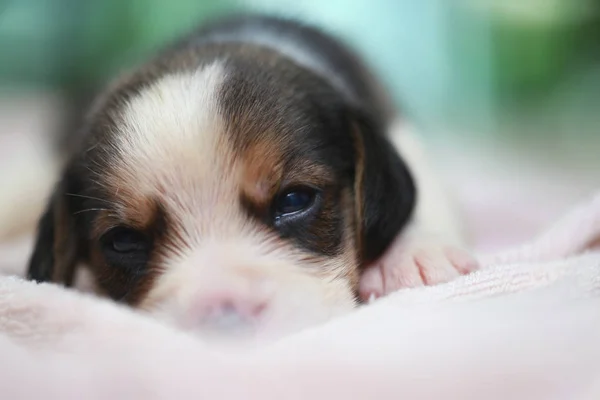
[
  {"x": 55, "y": 252},
  {"x": 385, "y": 192}
]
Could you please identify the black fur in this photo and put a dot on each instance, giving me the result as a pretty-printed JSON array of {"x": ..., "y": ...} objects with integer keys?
[
  {"x": 388, "y": 188},
  {"x": 41, "y": 264},
  {"x": 57, "y": 246},
  {"x": 389, "y": 192}
]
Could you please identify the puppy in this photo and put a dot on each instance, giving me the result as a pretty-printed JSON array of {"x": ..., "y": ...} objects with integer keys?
[{"x": 244, "y": 181}]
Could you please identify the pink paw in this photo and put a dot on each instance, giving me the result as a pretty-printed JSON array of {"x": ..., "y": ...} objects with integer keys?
[{"x": 416, "y": 264}]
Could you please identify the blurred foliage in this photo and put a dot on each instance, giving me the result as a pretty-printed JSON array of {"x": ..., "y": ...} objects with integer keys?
[
  {"x": 476, "y": 63},
  {"x": 68, "y": 43}
]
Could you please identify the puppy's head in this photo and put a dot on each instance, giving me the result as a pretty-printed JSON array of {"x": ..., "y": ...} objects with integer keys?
[{"x": 228, "y": 196}]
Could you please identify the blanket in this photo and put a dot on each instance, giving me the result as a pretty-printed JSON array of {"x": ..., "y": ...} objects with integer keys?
[{"x": 526, "y": 326}]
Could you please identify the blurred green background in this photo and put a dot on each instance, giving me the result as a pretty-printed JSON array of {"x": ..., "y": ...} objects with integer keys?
[{"x": 516, "y": 69}]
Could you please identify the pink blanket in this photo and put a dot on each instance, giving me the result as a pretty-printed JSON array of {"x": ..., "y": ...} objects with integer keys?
[{"x": 527, "y": 326}]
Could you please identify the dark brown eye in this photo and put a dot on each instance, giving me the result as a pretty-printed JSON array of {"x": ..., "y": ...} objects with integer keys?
[
  {"x": 125, "y": 240},
  {"x": 294, "y": 201},
  {"x": 126, "y": 249}
]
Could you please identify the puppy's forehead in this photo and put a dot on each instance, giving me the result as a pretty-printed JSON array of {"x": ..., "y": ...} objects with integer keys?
[
  {"x": 195, "y": 140},
  {"x": 172, "y": 123},
  {"x": 209, "y": 115}
]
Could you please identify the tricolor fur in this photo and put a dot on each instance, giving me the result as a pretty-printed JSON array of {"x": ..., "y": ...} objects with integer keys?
[{"x": 186, "y": 158}]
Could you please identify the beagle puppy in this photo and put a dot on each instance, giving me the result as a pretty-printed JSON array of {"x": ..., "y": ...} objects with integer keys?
[{"x": 247, "y": 180}]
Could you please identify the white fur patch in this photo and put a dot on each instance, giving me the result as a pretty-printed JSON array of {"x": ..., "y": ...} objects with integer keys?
[
  {"x": 173, "y": 147},
  {"x": 174, "y": 121}
]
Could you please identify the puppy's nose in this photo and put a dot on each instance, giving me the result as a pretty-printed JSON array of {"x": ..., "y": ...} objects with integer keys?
[{"x": 229, "y": 312}]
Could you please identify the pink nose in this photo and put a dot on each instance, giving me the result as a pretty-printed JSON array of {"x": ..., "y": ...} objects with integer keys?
[{"x": 227, "y": 311}]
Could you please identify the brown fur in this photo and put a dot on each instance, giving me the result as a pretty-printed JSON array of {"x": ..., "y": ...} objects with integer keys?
[{"x": 64, "y": 248}]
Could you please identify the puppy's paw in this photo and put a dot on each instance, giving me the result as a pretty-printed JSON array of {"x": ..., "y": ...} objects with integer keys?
[{"x": 413, "y": 264}]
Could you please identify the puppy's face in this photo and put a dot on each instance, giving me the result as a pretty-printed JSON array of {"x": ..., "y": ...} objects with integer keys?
[{"x": 225, "y": 199}]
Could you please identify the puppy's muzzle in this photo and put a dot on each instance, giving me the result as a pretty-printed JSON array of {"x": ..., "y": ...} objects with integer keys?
[{"x": 228, "y": 311}]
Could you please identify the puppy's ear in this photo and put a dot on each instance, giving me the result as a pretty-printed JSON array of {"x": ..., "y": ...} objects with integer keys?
[
  {"x": 55, "y": 252},
  {"x": 385, "y": 192}
]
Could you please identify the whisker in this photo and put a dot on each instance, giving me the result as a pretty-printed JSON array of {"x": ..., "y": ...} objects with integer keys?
[
  {"x": 95, "y": 173},
  {"x": 87, "y": 197},
  {"x": 90, "y": 209},
  {"x": 97, "y": 182},
  {"x": 92, "y": 147}
]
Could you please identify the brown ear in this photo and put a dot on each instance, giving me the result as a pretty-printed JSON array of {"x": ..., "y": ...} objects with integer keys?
[
  {"x": 55, "y": 252},
  {"x": 385, "y": 192}
]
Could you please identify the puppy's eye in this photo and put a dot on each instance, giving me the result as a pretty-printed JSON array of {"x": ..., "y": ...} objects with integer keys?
[
  {"x": 294, "y": 201},
  {"x": 125, "y": 240},
  {"x": 126, "y": 249}
]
